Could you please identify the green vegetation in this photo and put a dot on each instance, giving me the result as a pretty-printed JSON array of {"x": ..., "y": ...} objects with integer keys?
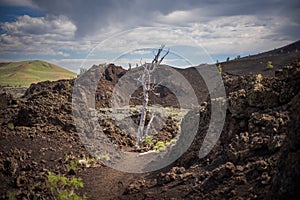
[
  {"x": 219, "y": 68},
  {"x": 68, "y": 84},
  {"x": 173, "y": 141},
  {"x": 11, "y": 125},
  {"x": 149, "y": 141},
  {"x": 11, "y": 195},
  {"x": 63, "y": 188},
  {"x": 87, "y": 161},
  {"x": 105, "y": 156},
  {"x": 160, "y": 146},
  {"x": 73, "y": 166},
  {"x": 269, "y": 65},
  {"x": 22, "y": 74}
]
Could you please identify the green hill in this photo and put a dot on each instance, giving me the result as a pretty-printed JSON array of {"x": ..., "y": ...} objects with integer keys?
[{"x": 22, "y": 74}]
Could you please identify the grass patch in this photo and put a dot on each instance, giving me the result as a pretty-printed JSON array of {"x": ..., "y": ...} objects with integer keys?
[{"x": 24, "y": 73}]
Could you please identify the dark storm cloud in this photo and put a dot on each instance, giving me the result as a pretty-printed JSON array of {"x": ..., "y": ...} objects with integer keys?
[
  {"x": 91, "y": 16},
  {"x": 70, "y": 28}
]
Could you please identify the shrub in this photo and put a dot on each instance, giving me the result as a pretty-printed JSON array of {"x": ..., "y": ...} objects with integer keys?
[
  {"x": 219, "y": 68},
  {"x": 63, "y": 188},
  {"x": 73, "y": 166},
  {"x": 68, "y": 84},
  {"x": 160, "y": 146},
  {"x": 11, "y": 125},
  {"x": 148, "y": 140},
  {"x": 269, "y": 65}
]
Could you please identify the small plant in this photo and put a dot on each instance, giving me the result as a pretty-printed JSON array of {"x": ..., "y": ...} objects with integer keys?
[
  {"x": 63, "y": 188},
  {"x": 219, "y": 68},
  {"x": 173, "y": 141},
  {"x": 11, "y": 195},
  {"x": 68, "y": 84},
  {"x": 11, "y": 125},
  {"x": 88, "y": 161},
  {"x": 148, "y": 140},
  {"x": 74, "y": 165},
  {"x": 269, "y": 65},
  {"x": 105, "y": 156},
  {"x": 160, "y": 146}
]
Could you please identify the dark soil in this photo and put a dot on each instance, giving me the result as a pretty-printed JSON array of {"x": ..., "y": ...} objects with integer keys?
[
  {"x": 256, "y": 157},
  {"x": 257, "y": 63}
]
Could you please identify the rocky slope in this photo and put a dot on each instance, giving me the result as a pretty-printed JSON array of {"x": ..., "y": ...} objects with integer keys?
[
  {"x": 279, "y": 58},
  {"x": 256, "y": 157}
]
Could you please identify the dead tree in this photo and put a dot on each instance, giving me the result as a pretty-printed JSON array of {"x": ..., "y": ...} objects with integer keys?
[{"x": 148, "y": 85}]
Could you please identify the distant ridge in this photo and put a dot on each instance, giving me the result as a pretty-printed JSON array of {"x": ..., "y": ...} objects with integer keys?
[
  {"x": 23, "y": 73},
  {"x": 257, "y": 63}
]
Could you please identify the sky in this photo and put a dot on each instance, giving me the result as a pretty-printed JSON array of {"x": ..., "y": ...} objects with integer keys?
[{"x": 78, "y": 33}]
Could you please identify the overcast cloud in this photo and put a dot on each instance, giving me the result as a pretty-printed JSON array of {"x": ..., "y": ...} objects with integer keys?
[
  {"x": 70, "y": 29},
  {"x": 92, "y": 16}
]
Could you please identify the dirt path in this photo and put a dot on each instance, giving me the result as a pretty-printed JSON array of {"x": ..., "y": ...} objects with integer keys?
[{"x": 106, "y": 183}]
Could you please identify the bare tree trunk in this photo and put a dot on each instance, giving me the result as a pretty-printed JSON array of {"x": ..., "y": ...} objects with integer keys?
[
  {"x": 140, "y": 133},
  {"x": 145, "y": 80},
  {"x": 149, "y": 124}
]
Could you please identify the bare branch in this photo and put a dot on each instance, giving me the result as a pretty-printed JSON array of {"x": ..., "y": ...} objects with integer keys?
[
  {"x": 156, "y": 93},
  {"x": 155, "y": 60},
  {"x": 156, "y": 85},
  {"x": 148, "y": 86},
  {"x": 138, "y": 97},
  {"x": 149, "y": 124},
  {"x": 164, "y": 56}
]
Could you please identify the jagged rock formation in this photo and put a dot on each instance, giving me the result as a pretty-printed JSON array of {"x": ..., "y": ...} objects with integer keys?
[{"x": 256, "y": 157}]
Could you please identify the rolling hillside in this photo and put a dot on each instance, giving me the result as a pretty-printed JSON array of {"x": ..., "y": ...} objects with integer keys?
[
  {"x": 22, "y": 74},
  {"x": 257, "y": 63}
]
